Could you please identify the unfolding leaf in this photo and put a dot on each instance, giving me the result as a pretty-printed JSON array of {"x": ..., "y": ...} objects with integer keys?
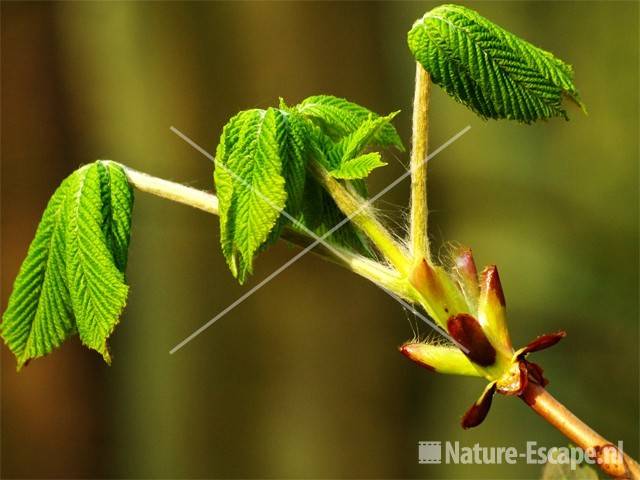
[
  {"x": 339, "y": 117},
  {"x": 343, "y": 159},
  {"x": 358, "y": 167},
  {"x": 261, "y": 163},
  {"x": 353, "y": 144}
]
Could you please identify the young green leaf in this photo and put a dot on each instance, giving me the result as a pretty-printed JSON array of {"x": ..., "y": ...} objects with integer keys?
[
  {"x": 342, "y": 158},
  {"x": 293, "y": 150},
  {"x": 358, "y": 167},
  {"x": 353, "y": 144},
  {"x": 261, "y": 163},
  {"x": 250, "y": 184},
  {"x": 491, "y": 71},
  {"x": 339, "y": 117},
  {"x": 321, "y": 148},
  {"x": 224, "y": 181},
  {"x": 72, "y": 279},
  {"x": 294, "y": 154}
]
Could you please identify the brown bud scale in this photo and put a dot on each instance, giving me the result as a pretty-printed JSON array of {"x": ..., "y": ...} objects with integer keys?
[{"x": 466, "y": 330}]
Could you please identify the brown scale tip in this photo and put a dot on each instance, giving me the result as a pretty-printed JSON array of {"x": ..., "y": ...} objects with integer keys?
[
  {"x": 479, "y": 410},
  {"x": 410, "y": 350},
  {"x": 466, "y": 330},
  {"x": 491, "y": 283},
  {"x": 543, "y": 341}
]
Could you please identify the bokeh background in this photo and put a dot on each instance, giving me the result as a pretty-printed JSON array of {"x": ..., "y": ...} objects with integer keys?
[{"x": 304, "y": 378}]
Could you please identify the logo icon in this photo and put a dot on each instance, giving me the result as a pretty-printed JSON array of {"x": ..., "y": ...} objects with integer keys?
[{"x": 429, "y": 452}]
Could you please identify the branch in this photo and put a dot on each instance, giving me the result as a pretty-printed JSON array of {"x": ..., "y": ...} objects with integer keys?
[
  {"x": 208, "y": 202},
  {"x": 176, "y": 192},
  {"x": 608, "y": 457},
  {"x": 420, "y": 144}
]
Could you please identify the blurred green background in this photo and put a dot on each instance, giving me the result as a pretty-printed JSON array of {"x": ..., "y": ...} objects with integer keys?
[{"x": 304, "y": 379}]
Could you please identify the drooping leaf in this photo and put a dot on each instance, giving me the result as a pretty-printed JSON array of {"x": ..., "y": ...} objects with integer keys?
[
  {"x": 72, "y": 279},
  {"x": 491, "y": 71},
  {"x": 358, "y": 167},
  {"x": 250, "y": 184},
  {"x": 339, "y": 117}
]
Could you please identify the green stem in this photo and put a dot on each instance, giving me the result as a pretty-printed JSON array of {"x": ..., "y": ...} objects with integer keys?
[
  {"x": 420, "y": 143},
  {"x": 176, "y": 192}
]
